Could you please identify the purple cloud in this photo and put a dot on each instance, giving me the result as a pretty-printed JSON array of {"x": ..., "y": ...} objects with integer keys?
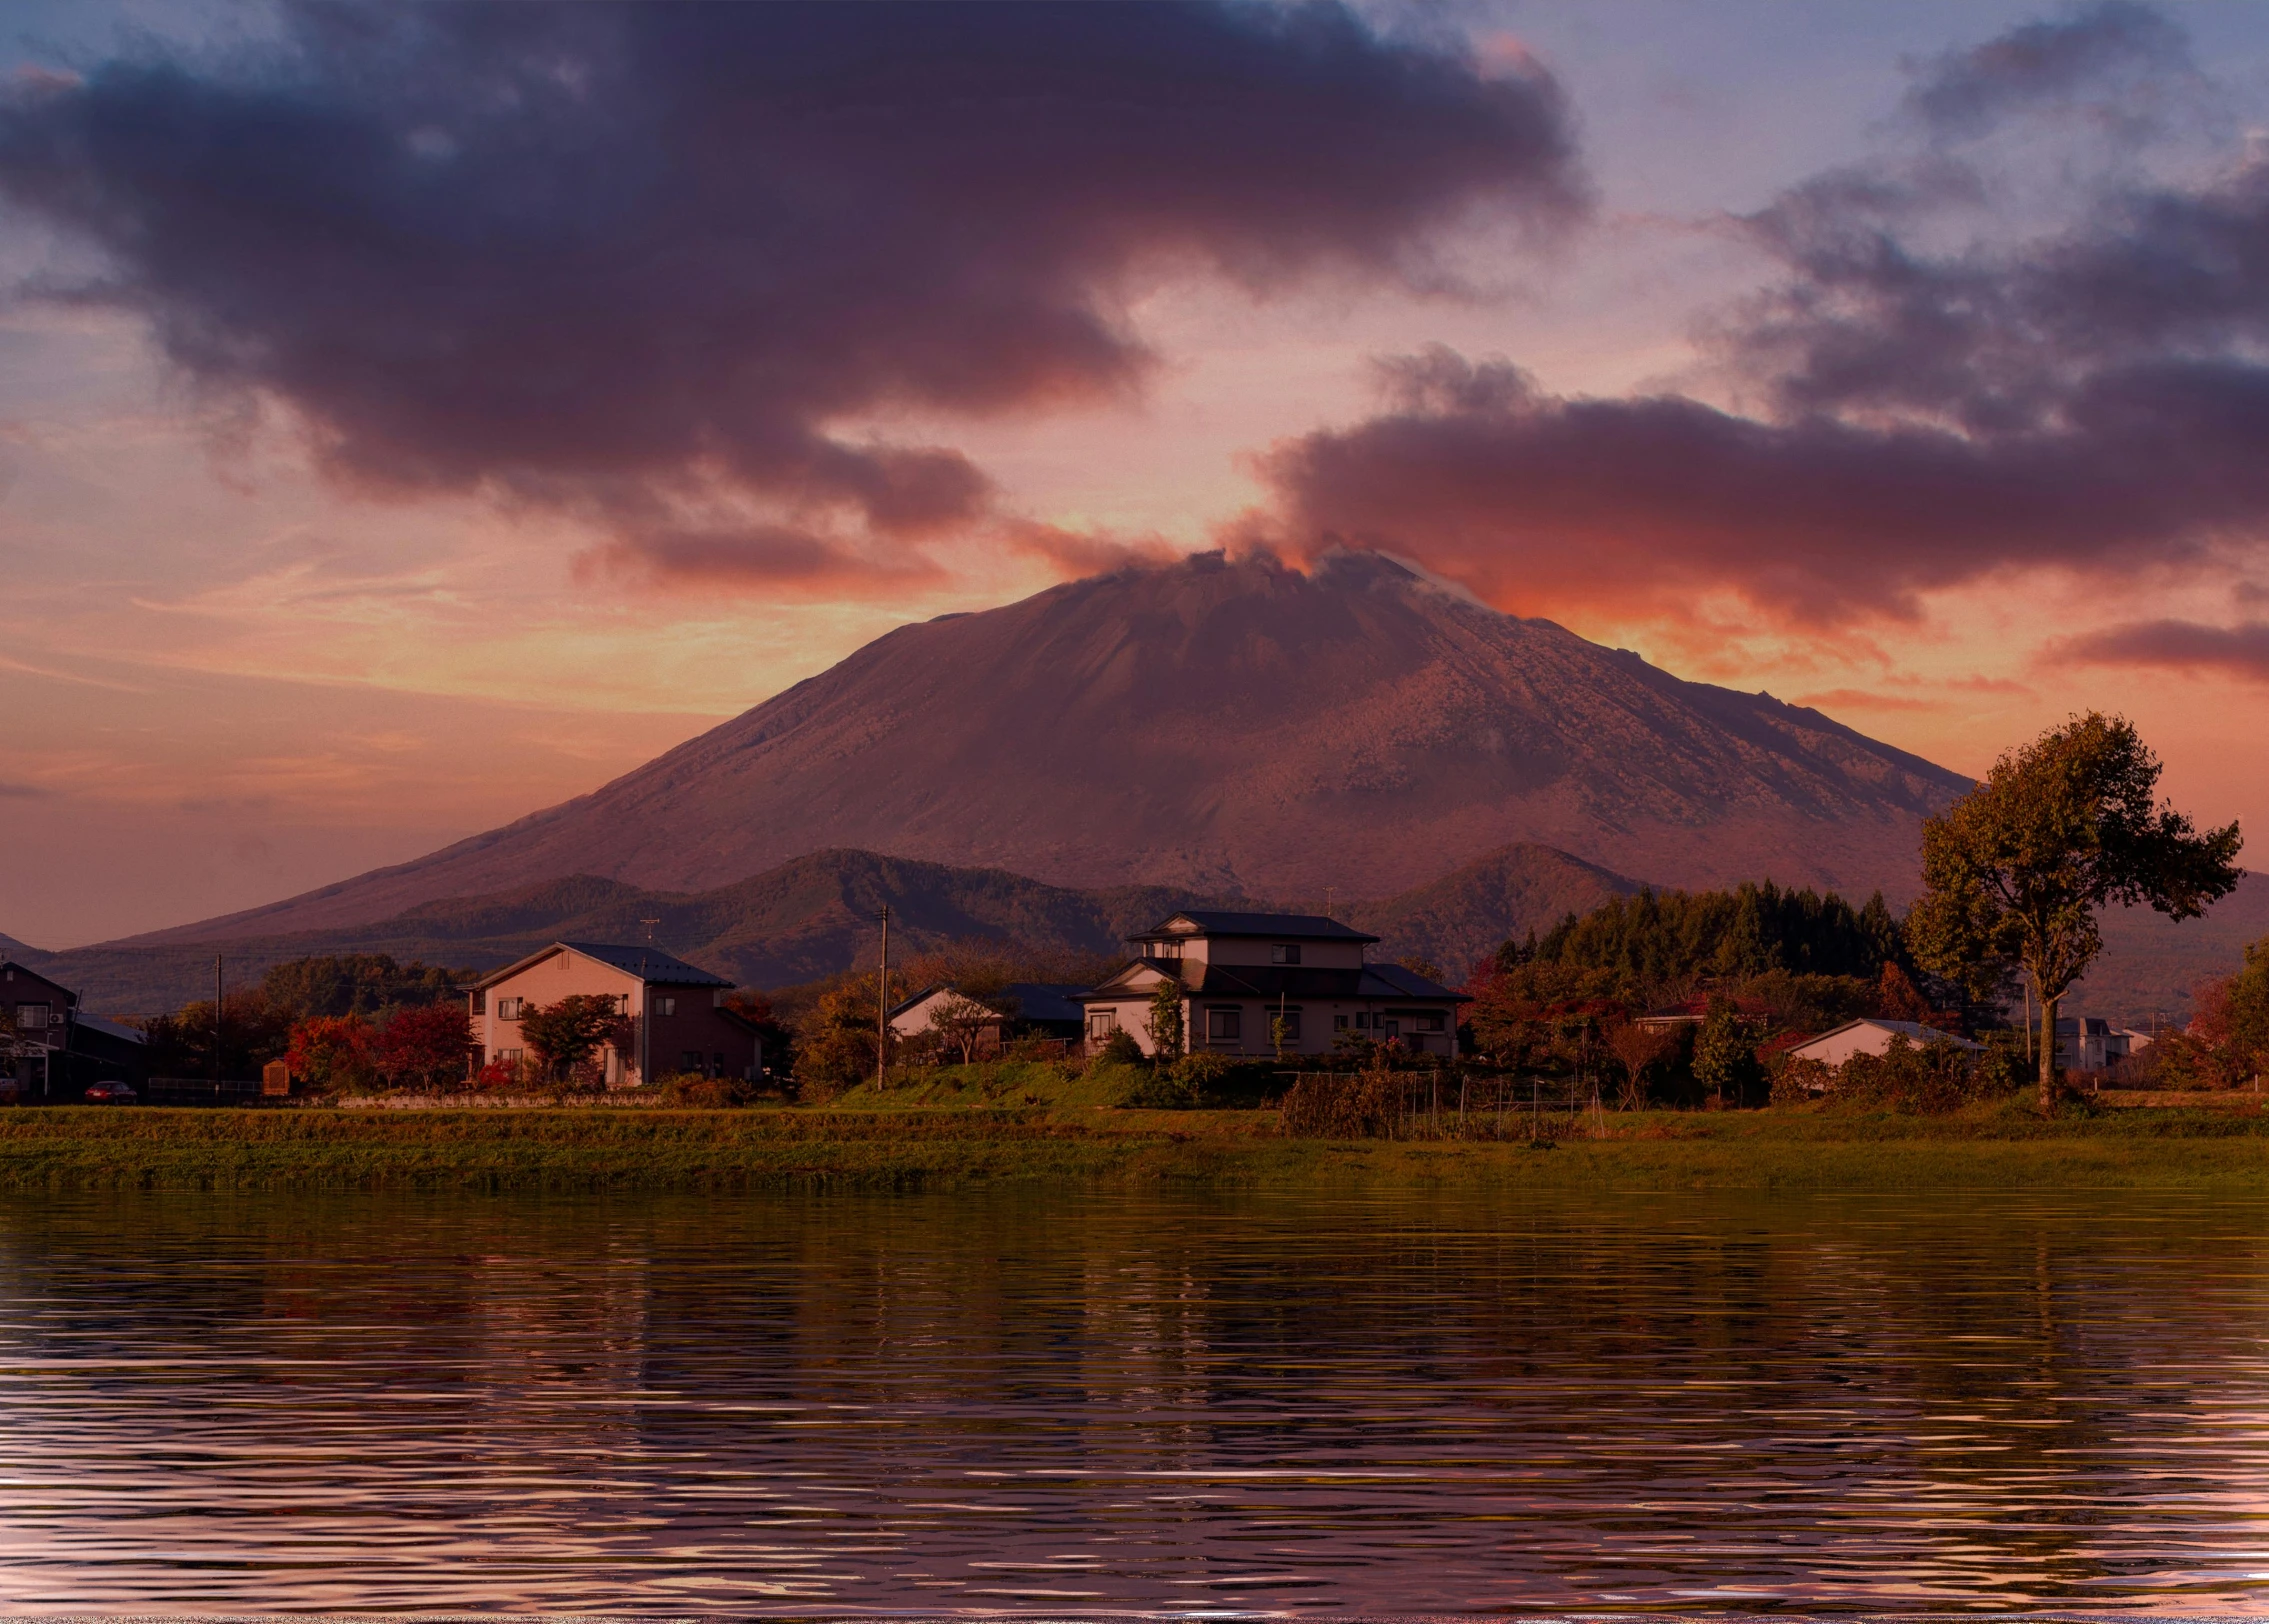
[{"x": 634, "y": 260}]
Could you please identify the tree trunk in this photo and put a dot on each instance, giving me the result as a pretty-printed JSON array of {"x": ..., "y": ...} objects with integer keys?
[{"x": 2048, "y": 1052}]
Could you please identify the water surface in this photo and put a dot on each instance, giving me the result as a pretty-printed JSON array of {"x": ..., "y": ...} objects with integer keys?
[{"x": 1044, "y": 1401}]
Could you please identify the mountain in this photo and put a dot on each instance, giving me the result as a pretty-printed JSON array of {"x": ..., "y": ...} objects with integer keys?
[
  {"x": 1466, "y": 915},
  {"x": 1225, "y": 726},
  {"x": 816, "y": 916}
]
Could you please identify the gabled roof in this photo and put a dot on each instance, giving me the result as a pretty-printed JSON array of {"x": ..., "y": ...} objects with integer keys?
[
  {"x": 1035, "y": 1000},
  {"x": 69, "y": 997},
  {"x": 648, "y": 964},
  {"x": 1222, "y": 922},
  {"x": 1912, "y": 1031}
]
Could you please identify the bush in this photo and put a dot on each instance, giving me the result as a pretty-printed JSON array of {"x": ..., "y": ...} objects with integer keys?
[
  {"x": 691, "y": 1089},
  {"x": 1121, "y": 1049},
  {"x": 1930, "y": 1080},
  {"x": 1159, "y": 1090},
  {"x": 1332, "y": 1105}
]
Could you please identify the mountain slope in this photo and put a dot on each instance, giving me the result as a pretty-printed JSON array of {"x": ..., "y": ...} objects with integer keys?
[
  {"x": 1465, "y": 915},
  {"x": 1224, "y": 726}
]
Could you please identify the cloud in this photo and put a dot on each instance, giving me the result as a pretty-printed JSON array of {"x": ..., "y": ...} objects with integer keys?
[
  {"x": 769, "y": 558},
  {"x": 2178, "y": 645},
  {"x": 23, "y": 792},
  {"x": 641, "y": 259},
  {"x": 2108, "y": 56},
  {"x": 1926, "y": 417}
]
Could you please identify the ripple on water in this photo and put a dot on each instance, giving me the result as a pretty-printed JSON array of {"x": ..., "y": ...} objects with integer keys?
[{"x": 1037, "y": 1401}]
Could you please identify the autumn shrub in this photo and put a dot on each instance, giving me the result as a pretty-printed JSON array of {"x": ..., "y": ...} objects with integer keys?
[
  {"x": 1345, "y": 1105},
  {"x": 1120, "y": 1049},
  {"x": 424, "y": 1046},
  {"x": 1928, "y": 1079},
  {"x": 333, "y": 1053},
  {"x": 691, "y": 1089}
]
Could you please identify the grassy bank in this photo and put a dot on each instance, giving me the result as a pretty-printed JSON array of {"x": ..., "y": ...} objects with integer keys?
[{"x": 912, "y": 1145}]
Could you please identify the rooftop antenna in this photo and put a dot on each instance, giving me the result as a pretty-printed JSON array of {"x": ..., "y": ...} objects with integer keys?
[{"x": 1327, "y": 902}]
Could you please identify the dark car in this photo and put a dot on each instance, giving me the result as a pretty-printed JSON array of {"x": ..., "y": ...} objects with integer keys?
[{"x": 111, "y": 1094}]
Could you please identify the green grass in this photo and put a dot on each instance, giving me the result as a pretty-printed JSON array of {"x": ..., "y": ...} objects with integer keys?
[{"x": 986, "y": 1131}]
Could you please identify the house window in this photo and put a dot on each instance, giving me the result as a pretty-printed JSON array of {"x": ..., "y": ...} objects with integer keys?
[
  {"x": 510, "y": 1057},
  {"x": 1225, "y": 1025},
  {"x": 508, "y": 1009},
  {"x": 665, "y": 1006},
  {"x": 1165, "y": 950},
  {"x": 31, "y": 1017},
  {"x": 716, "y": 999},
  {"x": 1339, "y": 1023},
  {"x": 1428, "y": 1020},
  {"x": 1284, "y": 953},
  {"x": 689, "y": 1060},
  {"x": 480, "y": 1003},
  {"x": 1101, "y": 1023}
]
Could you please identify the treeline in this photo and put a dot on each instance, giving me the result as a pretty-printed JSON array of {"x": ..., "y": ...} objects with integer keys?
[
  {"x": 1680, "y": 996},
  {"x": 370, "y": 991}
]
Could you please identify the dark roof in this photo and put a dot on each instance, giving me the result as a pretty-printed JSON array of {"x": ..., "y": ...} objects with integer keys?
[
  {"x": 649, "y": 964},
  {"x": 1222, "y": 922},
  {"x": 1372, "y": 981},
  {"x": 1035, "y": 1000},
  {"x": 1046, "y": 1000}
]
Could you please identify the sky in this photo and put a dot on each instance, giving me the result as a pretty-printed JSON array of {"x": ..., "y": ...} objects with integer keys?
[{"x": 413, "y": 417}]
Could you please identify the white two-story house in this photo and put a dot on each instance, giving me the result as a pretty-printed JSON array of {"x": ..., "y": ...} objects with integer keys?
[{"x": 1238, "y": 975}]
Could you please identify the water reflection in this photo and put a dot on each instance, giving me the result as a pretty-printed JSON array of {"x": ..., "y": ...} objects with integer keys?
[{"x": 1037, "y": 1401}]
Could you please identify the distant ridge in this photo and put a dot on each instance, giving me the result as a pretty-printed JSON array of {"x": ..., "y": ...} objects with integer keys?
[
  {"x": 816, "y": 916},
  {"x": 1230, "y": 727}
]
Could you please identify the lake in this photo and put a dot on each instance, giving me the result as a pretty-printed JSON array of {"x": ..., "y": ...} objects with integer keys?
[{"x": 1049, "y": 1401}]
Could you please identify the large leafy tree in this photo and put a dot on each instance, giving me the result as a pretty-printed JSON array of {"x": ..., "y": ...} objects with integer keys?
[
  {"x": 2018, "y": 869},
  {"x": 566, "y": 1034}
]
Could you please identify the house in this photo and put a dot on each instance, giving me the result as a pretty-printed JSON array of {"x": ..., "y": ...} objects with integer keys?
[
  {"x": 1242, "y": 977},
  {"x": 59, "y": 1048},
  {"x": 677, "y": 1014},
  {"x": 1873, "y": 1037},
  {"x": 2090, "y": 1043},
  {"x": 1020, "y": 1009}
]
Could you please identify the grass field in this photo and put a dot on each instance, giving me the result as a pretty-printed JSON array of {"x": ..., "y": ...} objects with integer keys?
[{"x": 1007, "y": 1122}]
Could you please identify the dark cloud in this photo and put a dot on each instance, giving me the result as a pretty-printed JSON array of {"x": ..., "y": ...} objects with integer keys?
[
  {"x": 2179, "y": 645},
  {"x": 629, "y": 258},
  {"x": 2107, "y": 57},
  {"x": 2095, "y": 400}
]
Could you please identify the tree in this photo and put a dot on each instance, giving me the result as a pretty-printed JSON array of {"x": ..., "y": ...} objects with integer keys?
[
  {"x": 1725, "y": 1055},
  {"x": 427, "y": 1046},
  {"x": 1165, "y": 1023},
  {"x": 2017, "y": 869},
  {"x": 1638, "y": 1049},
  {"x": 566, "y": 1034},
  {"x": 962, "y": 1024},
  {"x": 332, "y": 1052},
  {"x": 356, "y": 984}
]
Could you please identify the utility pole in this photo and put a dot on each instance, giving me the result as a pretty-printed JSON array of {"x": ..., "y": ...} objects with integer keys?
[
  {"x": 882, "y": 1008},
  {"x": 649, "y": 924},
  {"x": 216, "y": 1026}
]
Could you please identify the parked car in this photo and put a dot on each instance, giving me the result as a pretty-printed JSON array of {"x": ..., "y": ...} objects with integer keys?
[{"x": 111, "y": 1094}]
